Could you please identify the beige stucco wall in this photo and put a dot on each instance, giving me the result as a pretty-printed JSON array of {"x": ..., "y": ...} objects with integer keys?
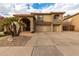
[
  {"x": 75, "y": 22},
  {"x": 47, "y": 18},
  {"x": 67, "y": 22},
  {"x": 57, "y": 28},
  {"x": 50, "y": 28},
  {"x": 43, "y": 28}
]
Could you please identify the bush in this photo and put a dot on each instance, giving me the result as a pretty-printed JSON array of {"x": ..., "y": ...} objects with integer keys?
[{"x": 6, "y": 23}]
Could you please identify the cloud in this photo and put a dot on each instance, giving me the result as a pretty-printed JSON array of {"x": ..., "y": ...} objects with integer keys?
[
  {"x": 4, "y": 8},
  {"x": 9, "y": 9},
  {"x": 36, "y": 7},
  {"x": 68, "y": 8},
  {"x": 23, "y": 8}
]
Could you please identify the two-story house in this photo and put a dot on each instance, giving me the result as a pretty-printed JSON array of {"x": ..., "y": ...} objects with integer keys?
[{"x": 41, "y": 22}]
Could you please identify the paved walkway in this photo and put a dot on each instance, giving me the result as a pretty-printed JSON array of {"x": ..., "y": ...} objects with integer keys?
[{"x": 46, "y": 44}]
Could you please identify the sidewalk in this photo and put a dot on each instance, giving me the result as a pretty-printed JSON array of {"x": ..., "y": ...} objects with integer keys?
[{"x": 15, "y": 51}]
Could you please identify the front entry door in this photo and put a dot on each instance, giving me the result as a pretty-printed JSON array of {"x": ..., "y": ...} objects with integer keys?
[{"x": 26, "y": 24}]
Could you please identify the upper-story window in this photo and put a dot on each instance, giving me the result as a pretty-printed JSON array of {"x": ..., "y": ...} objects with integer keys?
[
  {"x": 40, "y": 18},
  {"x": 56, "y": 16}
]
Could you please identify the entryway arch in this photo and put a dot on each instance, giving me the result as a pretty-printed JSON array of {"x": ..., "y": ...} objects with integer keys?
[{"x": 26, "y": 24}]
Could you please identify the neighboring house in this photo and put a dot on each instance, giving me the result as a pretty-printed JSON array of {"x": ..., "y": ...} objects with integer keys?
[
  {"x": 71, "y": 23},
  {"x": 1, "y": 17},
  {"x": 41, "y": 22}
]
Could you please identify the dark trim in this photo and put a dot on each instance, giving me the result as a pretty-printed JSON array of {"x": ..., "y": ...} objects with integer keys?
[
  {"x": 57, "y": 12},
  {"x": 56, "y": 24},
  {"x": 41, "y": 13},
  {"x": 23, "y": 15},
  {"x": 48, "y": 13}
]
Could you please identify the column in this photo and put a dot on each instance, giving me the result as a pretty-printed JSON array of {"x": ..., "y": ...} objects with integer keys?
[
  {"x": 31, "y": 25},
  {"x": 52, "y": 23}
]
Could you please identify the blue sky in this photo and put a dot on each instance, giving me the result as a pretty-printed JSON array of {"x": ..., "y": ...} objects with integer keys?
[
  {"x": 7, "y": 9},
  {"x": 41, "y": 5}
]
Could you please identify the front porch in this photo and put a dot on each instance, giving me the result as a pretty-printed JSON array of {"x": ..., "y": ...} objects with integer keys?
[{"x": 27, "y": 22}]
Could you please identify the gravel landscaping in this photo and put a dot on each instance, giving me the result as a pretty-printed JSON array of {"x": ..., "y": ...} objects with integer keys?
[{"x": 14, "y": 41}]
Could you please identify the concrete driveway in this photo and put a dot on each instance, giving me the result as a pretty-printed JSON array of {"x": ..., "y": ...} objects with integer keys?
[{"x": 46, "y": 44}]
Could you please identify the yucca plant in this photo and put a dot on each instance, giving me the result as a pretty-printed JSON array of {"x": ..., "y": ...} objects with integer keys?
[{"x": 5, "y": 23}]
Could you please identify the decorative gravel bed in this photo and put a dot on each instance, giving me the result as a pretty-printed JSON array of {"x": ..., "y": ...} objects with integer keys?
[{"x": 16, "y": 41}]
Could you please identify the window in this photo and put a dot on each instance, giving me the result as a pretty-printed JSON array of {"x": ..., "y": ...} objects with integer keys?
[
  {"x": 57, "y": 19},
  {"x": 56, "y": 16},
  {"x": 40, "y": 18}
]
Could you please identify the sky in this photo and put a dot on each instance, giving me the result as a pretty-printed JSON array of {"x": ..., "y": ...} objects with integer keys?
[{"x": 8, "y": 9}]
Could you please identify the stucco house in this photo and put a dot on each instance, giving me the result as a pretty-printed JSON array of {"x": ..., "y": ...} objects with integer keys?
[
  {"x": 71, "y": 23},
  {"x": 41, "y": 22}
]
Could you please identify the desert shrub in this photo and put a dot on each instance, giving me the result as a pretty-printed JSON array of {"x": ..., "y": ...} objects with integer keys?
[{"x": 5, "y": 23}]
